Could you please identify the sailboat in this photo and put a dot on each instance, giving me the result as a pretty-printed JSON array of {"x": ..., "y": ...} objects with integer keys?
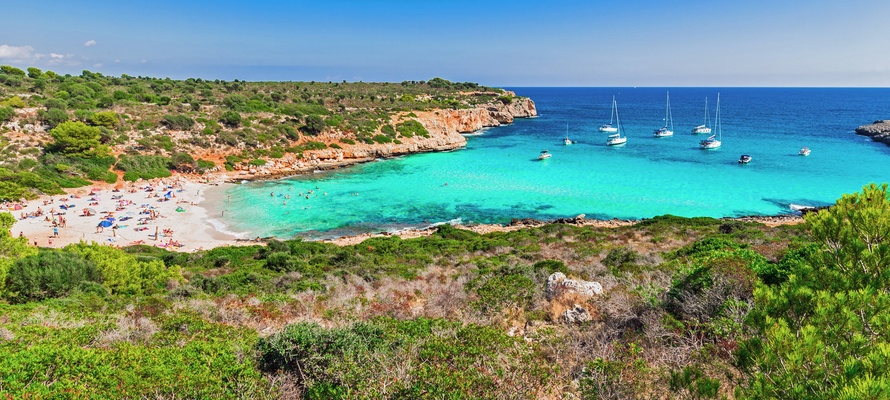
[
  {"x": 608, "y": 127},
  {"x": 714, "y": 142},
  {"x": 704, "y": 128},
  {"x": 668, "y": 119},
  {"x": 616, "y": 139},
  {"x": 567, "y": 141}
]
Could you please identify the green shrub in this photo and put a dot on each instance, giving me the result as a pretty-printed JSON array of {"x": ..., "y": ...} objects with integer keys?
[
  {"x": 107, "y": 119},
  {"x": 145, "y": 167},
  {"x": 122, "y": 273},
  {"x": 180, "y": 122},
  {"x": 48, "y": 274},
  {"x": 231, "y": 119},
  {"x": 412, "y": 127},
  {"x": 6, "y": 114}
]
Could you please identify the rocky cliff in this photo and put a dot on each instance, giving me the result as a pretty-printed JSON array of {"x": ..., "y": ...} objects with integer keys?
[
  {"x": 878, "y": 131},
  {"x": 445, "y": 128}
]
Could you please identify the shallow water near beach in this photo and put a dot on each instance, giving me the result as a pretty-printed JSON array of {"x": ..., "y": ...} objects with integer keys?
[{"x": 497, "y": 177}]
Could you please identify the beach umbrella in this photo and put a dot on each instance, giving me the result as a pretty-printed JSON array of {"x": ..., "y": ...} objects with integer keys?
[
  {"x": 105, "y": 224},
  {"x": 17, "y": 207},
  {"x": 167, "y": 195}
]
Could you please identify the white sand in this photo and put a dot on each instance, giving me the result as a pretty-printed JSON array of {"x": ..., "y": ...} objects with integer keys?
[{"x": 193, "y": 228}]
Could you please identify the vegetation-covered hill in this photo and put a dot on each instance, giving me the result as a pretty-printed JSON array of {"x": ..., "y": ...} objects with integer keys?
[
  {"x": 62, "y": 131},
  {"x": 690, "y": 308}
]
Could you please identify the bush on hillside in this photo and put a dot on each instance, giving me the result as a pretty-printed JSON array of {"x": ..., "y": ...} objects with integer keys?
[{"x": 48, "y": 274}]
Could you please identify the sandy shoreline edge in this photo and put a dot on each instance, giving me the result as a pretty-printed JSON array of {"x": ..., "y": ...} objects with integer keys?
[{"x": 199, "y": 225}]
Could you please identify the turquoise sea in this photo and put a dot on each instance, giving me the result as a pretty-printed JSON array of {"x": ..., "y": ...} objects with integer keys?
[{"x": 497, "y": 177}]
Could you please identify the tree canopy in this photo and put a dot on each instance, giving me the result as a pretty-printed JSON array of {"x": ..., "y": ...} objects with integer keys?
[{"x": 78, "y": 139}]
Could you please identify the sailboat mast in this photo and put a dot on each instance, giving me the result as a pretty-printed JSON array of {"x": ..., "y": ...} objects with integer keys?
[
  {"x": 612, "y": 116},
  {"x": 717, "y": 119},
  {"x": 668, "y": 118},
  {"x": 707, "y": 114}
]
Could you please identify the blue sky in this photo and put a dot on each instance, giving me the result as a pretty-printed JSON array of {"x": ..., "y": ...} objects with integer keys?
[{"x": 499, "y": 43}]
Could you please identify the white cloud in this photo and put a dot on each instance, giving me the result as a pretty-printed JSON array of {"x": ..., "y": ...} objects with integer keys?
[
  {"x": 97, "y": 65},
  {"x": 27, "y": 55},
  {"x": 17, "y": 53},
  {"x": 89, "y": 43},
  {"x": 117, "y": 61}
]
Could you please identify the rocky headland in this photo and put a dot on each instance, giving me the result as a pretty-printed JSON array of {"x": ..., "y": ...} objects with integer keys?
[
  {"x": 445, "y": 126},
  {"x": 879, "y": 131}
]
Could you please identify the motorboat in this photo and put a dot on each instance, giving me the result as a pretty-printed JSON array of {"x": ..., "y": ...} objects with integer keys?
[
  {"x": 744, "y": 159},
  {"x": 804, "y": 151},
  {"x": 544, "y": 155}
]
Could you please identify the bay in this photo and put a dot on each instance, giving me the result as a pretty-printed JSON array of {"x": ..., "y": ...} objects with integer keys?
[{"x": 497, "y": 177}]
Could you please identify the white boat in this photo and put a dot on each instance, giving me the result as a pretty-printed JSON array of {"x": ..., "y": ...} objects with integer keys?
[
  {"x": 608, "y": 127},
  {"x": 714, "y": 141},
  {"x": 567, "y": 141},
  {"x": 616, "y": 139},
  {"x": 704, "y": 128},
  {"x": 668, "y": 120},
  {"x": 804, "y": 151},
  {"x": 744, "y": 159},
  {"x": 544, "y": 155}
]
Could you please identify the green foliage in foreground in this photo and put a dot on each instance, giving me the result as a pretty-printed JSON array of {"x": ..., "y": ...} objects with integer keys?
[
  {"x": 72, "y": 350},
  {"x": 752, "y": 312},
  {"x": 438, "y": 359},
  {"x": 824, "y": 333}
]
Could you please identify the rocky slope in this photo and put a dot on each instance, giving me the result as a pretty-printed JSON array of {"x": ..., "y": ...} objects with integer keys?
[
  {"x": 878, "y": 131},
  {"x": 445, "y": 128}
]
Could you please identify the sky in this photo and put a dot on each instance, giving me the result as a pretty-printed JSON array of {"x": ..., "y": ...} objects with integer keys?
[{"x": 496, "y": 43}]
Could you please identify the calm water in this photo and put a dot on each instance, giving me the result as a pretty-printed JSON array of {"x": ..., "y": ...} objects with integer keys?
[{"x": 497, "y": 177}]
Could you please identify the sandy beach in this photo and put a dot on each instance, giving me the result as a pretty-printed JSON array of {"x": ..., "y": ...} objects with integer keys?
[
  {"x": 174, "y": 208},
  {"x": 184, "y": 214}
]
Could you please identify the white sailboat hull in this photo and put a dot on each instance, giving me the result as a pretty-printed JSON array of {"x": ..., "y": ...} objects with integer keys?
[{"x": 701, "y": 129}]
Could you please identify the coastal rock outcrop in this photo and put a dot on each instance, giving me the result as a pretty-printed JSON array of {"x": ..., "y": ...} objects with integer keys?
[
  {"x": 879, "y": 131},
  {"x": 445, "y": 127}
]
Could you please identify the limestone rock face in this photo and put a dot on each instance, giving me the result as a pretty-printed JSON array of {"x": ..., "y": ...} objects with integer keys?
[
  {"x": 445, "y": 128},
  {"x": 879, "y": 131},
  {"x": 576, "y": 315},
  {"x": 558, "y": 284}
]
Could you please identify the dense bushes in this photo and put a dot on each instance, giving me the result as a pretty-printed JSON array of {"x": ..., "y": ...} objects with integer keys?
[
  {"x": 437, "y": 359},
  {"x": 180, "y": 122},
  {"x": 144, "y": 167},
  {"x": 412, "y": 127},
  {"x": 48, "y": 274}
]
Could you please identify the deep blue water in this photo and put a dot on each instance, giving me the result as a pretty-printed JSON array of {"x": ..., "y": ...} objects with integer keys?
[{"x": 497, "y": 177}]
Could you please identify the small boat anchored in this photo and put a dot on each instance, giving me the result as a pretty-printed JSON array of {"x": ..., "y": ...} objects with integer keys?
[
  {"x": 544, "y": 155},
  {"x": 744, "y": 159},
  {"x": 616, "y": 139},
  {"x": 704, "y": 128},
  {"x": 668, "y": 120},
  {"x": 567, "y": 141},
  {"x": 608, "y": 127},
  {"x": 804, "y": 151},
  {"x": 713, "y": 141}
]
